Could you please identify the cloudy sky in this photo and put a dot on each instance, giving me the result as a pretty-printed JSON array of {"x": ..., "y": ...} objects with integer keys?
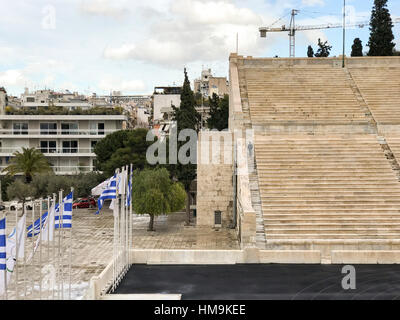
[{"x": 134, "y": 45}]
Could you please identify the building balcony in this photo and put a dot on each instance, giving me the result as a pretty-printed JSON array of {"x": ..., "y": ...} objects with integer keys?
[
  {"x": 53, "y": 152},
  {"x": 70, "y": 133},
  {"x": 63, "y": 170}
]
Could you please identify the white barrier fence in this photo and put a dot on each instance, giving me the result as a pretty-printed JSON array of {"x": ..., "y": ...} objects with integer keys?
[{"x": 38, "y": 257}]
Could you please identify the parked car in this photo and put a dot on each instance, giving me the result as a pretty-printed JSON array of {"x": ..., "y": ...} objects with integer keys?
[
  {"x": 17, "y": 205},
  {"x": 84, "y": 203},
  {"x": 2, "y": 207}
]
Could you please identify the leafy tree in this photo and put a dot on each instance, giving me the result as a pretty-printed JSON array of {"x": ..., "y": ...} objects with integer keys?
[
  {"x": 154, "y": 193},
  {"x": 310, "y": 52},
  {"x": 357, "y": 48},
  {"x": 20, "y": 191},
  {"x": 381, "y": 27},
  {"x": 324, "y": 49},
  {"x": 187, "y": 118},
  {"x": 5, "y": 182},
  {"x": 122, "y": 148},
  {"x": 47, "y": 184},
  {"x": 186, "y": 115},
  {"x": 28, "y": 162},
  {"x": 84, "y": 183},
  {"x": 219, "y": 113}
]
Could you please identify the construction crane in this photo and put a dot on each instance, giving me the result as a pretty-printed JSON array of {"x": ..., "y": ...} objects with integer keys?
[{"x": 292, "y": 29}]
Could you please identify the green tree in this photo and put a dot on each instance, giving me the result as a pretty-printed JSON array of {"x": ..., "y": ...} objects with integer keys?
[
  {"x": 154, "y": 193},
  {"x": 310, "y": 52},
  {"x": 122, "y": 148},
  {"x": 19, "y": 190},
  {"x": 187, "y": 118},
  {"x": 5, "y": 182},
  {"x": 324, "y": 49},
  {"x": 219, "y": 112},
  {"x": 83, "y": 183},
  {"x": 357, "y": 48},
  {"x": 186, "y": 115},
  {"x": 28, "y": 162},
  {"x": 381, "y": 27},
  {"x": 107, "y": 146}
]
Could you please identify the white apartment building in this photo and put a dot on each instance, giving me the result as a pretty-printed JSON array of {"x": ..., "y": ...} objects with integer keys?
[
  {"x": 163, "y": 100},
  {"x": 207, "y": 85},
  {"x": 46, "y": 98},
  {"x": 66, "y": 140}
]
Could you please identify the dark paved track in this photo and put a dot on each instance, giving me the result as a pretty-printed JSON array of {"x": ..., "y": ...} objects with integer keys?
[{"x": 266, "y": 282}]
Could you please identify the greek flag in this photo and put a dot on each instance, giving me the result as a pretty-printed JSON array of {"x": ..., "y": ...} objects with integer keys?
[
  {"x": 3, "y": 244},
  {"x": 110, "y": 193},
  {"x": 36, "y": 229},
  {"x": 67, "y": 213},
  {"x": 3, "y": 262},
  {"x": 129, "y": 192},
  {"x": 67, "y": 217}
]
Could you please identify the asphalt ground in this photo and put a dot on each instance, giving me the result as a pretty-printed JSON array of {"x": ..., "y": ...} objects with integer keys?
[{"x": 263, "y": 282}]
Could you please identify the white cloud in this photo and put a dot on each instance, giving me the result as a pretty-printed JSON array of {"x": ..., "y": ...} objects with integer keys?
[
  {"x": 111, "y": 83},
  {"x": 112, "y": 8},
  {"x": 12, "y": 78},
  {"x": 213, "y": 12},
  {"x": 194, "y": 30},
  {"x": 312, "y": 3}
]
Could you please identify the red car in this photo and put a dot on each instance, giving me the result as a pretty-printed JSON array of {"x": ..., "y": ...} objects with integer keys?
[{"x": 84, "y": 203}]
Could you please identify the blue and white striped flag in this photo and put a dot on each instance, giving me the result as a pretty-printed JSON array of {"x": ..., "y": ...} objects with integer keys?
[
  {"x": 3, "y": 262},
  {"x": 37, "y": 223},
  {"x": 67, "y": 214},
  {"x": 129, "y": 192},
  {"x": 67, "y": 217},
  {"x": 110, "y": 193}
]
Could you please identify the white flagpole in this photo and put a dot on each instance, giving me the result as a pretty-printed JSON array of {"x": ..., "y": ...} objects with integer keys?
[
  {"x": 5, "y": 271},
  {"x": 16, "y": 254},
  {"x": 117, "y": 206},
  {"x": 48, "y": 229},
  {"x": 59, "y": 245},
  {"x": 53, "y": 250},
  {"x": 40, "y": 247},
  {"x": 131, "y": 217},
  {"x": 116, "y": 221},
  {"x": 70, "y": 250},
  {"x": 62, "y": 244},
  {"x": 121, "y": 228},
  {"x": 121, "y": 231},
  {"x": 33, "y": 252},
  {"x": 126, "y": 221},
  {"x": 24, "y": 231}
]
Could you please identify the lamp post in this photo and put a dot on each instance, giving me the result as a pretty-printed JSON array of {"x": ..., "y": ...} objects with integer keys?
[{"x": 344, "y": 33}]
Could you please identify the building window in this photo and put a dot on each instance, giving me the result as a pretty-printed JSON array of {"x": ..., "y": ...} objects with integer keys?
[
  {"x": 69, "y": 128},
  {"x": 30, "y": 99},
  {"x": 97, "y": 128},
  {"x": 48, "y": 128},
  {"x": 48, "y": 146},
  {"x": 70, "y": 146},
  {"x": 92, "y": 146},
  {"x": 20, "y": 128}
]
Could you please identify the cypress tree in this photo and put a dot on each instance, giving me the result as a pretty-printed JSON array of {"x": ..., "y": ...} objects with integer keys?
[
  {"x": 186, "y": 117},
  {"x": 310, "y": 52},
  {"x": 381, "y": 36},
  {"x": 219, "y": 112},
  {"x": 357, "y": 48}
]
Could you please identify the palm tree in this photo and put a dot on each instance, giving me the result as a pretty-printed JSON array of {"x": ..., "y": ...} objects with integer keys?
[{"x": 28, "y": 162}]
